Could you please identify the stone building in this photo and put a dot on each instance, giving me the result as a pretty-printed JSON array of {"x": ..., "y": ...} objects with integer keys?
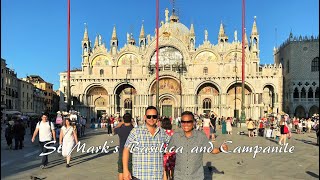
[
  {"x": 45, "y": 86},
  {"x": 196, "y": 78},
  {"x": 299, "y": 57},
  {"x": 3, "y": 87},
  {"x": 12, "y": 92},
  {"x": 26, "y": 90}
]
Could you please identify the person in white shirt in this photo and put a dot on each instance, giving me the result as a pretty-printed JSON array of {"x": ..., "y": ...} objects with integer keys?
[
  {"x": 46, "y": 133},
  {"x": 68, "y": 138}
]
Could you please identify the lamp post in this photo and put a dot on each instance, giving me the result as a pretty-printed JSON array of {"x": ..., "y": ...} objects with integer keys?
[
  {"x": 235, "y": 87},
  {"x": 180, "y": 70}
]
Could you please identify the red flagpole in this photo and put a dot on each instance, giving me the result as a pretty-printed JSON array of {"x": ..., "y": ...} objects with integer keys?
[
  {"x": 243, "y": 115},
  {"x": 68, "y": 59},
  {"x": 157, "y": 54}
]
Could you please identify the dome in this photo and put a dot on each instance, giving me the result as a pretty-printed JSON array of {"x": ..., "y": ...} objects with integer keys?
[{"x": 173, "y": 27}]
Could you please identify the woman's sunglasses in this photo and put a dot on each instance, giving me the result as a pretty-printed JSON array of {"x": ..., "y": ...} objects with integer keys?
[{"x": 153, "y": 116}]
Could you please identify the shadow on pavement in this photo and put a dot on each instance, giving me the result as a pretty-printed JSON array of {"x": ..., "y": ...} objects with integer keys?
[
  {"x": 211, "y": 170},
  {"x": 307, "y": 142},
  {"x": 312, "y": 174},
  {"x": 80, "y": 159},
  {"x": 273, "y": 140}
]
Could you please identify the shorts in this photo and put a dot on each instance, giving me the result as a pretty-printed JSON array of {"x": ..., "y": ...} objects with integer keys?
[
  {"x": 212, "y": 130},
  {"x": 120, "y": 164}
]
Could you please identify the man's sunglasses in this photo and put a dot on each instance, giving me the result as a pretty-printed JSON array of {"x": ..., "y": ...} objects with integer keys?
[
  {"x": 189, "y": 122},
  {"x": 153, "y": 116}
]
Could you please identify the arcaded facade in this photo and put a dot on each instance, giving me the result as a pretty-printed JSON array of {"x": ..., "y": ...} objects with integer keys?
[
  {"x": 299, "y": 57},
  {"x": 196, "y": 78}
]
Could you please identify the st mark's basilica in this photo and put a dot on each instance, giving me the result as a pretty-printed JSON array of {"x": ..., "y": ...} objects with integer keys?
[{"x": 198, "y": 79}]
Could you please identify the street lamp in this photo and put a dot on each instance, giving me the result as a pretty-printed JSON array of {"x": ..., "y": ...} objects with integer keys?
[{"x": 180, "y": 71}]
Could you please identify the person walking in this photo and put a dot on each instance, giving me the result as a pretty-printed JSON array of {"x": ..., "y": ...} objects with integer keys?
[
  {"x": 284, "y": 131},
  {"x": 206, "y": 125},
  {"x": 18, "y": 132},
  {"x": 189, "y": 164},
  {"x": 250, "y": 126},
  {"x": 229, "y": 125},
  {"x": 68, "y": 138},
  {"x": 46, "y": 134},
  {"x": 123, "y": 130},
  {"x": 145, "y": 165},
  {"x": 9, "y": 134},
  {"x": 169, "y": 159},
  {"x": 213, "y": 119},
  {"x": 224, "y": 126}
]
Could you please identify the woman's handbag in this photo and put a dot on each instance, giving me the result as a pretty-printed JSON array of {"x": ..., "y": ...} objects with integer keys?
[{"x": 285, "y": 129}]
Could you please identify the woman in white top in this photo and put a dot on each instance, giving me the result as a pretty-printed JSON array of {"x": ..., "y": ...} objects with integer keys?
[
  {"x": 68, "y": 138},
  {"x": 206, "y": 125}
]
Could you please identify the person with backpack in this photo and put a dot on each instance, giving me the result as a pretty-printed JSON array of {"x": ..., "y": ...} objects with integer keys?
[{"x": 46, "y": 134}]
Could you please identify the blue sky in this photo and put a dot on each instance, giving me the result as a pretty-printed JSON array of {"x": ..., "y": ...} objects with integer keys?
[{"x": 34, "y": 32}]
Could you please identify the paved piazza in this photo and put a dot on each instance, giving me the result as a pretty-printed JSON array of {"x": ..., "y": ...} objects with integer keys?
[{"x": 303, "y": 163}]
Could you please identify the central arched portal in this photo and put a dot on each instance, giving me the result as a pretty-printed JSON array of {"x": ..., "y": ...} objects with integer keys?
[
  {"x": 170, "y": 102},
  {"x": 124, "y": 98}
]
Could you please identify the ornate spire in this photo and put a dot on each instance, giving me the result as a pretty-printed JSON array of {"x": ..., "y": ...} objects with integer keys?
[
  {"x": 192, "y": 30},
  {"x": 246, "y": 42},
  {"x": 142, "y": 32},
  {"x": 254, "y": 27},
  {"x": 114, "y": 34},
  {"x": 96, "y": 41},
  {"x": 85, "y": 35},
  {"x": 174, "y": 17},
  {"x": 221, "y": 30}
]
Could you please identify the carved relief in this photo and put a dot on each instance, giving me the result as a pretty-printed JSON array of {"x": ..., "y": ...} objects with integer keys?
[
  {"x": 205, "y": 57},
  {"x": 100, "y": 61},
  {"x": 128, "y": 59},
  {"x": 98, "y": 91},
  {"x": 208, "y": 90},
  {"x": 167, "y": 85}
]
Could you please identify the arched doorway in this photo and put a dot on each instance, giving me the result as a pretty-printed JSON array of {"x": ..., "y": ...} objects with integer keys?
[
  {"x": 300, "y": 112},
  {"x": 207, "y": 98},
  {"x": 234, "y": 94},
  {"x": 168, "y": 106},
  {"x": 170, "y": 96},
  {"x": 313, "y": 110},
  {"x": 125, "y": 94},
  {"x": 97, "y": 99}
]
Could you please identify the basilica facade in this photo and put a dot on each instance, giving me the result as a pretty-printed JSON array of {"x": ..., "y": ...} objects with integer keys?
[{"x": 200, "y": 78}]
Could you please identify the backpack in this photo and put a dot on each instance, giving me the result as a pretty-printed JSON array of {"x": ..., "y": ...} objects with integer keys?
[{"x": 48, "y": 121}]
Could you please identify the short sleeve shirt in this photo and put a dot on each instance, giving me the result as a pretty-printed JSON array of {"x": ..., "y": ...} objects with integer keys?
[
  {"x": 45, "y": 133},
  {"x": 147, "y": 159},
  {"x": 123, "y": 133},
  {"x": 189, "y": 162}
]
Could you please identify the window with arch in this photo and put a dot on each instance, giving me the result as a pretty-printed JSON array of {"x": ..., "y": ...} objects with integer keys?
[
  {"x": 128, "y": 104},
  {"x": 310, "y": 93},
  {"x": 317, "y": 92},
  {"x": 296, "y": 93},
  {"x": 303, "y": 93},
  {"x": 288, "y": 66},
  {"x": 315, "y": 64},
  {"x": 205, "y": 71},
  {"x": 129, "y": 71},
  {"x": 206, "y": 103},
  {"x": 101, "y": 72}
]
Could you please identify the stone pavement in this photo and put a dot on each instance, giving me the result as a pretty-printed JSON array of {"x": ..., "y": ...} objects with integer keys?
[{"x": 303, "y": 163}]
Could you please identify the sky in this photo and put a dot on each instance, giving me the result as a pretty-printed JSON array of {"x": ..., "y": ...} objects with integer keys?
[{"x": 34, "y": 32}]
